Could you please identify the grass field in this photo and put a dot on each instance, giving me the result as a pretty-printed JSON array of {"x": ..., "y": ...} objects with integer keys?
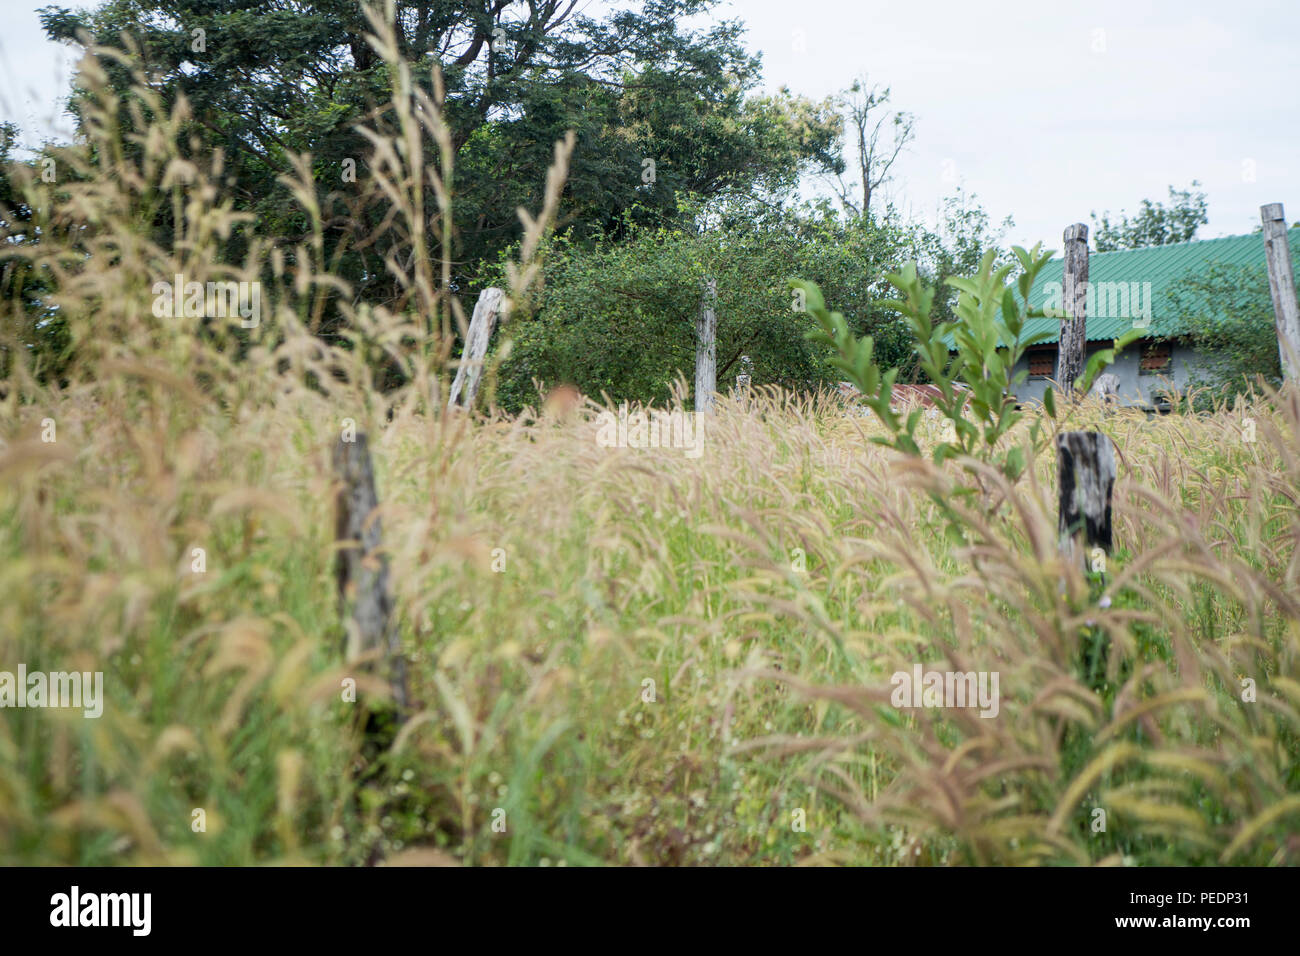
[{"x": 678, "y": 660}]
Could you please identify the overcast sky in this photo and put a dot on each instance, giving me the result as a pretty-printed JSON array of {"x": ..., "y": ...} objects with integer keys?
[{"x": 1046, "y": 110}]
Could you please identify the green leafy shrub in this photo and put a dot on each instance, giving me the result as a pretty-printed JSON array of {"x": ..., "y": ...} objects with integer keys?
[
  {"x": 619, "y": 317},
  {"x": 1228, "y": 312}
]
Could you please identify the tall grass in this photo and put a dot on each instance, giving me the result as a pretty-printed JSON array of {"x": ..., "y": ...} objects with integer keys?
[{"x": 616, "y": 655}]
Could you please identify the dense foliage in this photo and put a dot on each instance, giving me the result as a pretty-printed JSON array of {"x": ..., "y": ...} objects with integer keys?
[
  {"x": 680, "y": 173},
  {"x": 636, "y": 85},
  {"x": 619, "y": 317},
  {"x": 1154, "y": 224},
  {"x": 1228, "y": 313}
]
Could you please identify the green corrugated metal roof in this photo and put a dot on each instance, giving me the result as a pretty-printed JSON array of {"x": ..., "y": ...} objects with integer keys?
[{"x": 1161, "y": 266}]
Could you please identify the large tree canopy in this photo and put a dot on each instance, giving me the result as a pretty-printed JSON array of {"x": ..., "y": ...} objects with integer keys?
[{"x": 661, "y": 110}]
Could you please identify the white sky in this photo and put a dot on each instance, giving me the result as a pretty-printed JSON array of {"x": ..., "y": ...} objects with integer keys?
[
  {"x": 1046, "y": 110},
  {"x": 1011, "y": 96},
  {"x": 34, "y": 73}
]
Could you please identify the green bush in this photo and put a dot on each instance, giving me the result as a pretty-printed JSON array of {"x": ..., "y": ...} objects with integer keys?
[
  {"x": 619, "y": 318},
  {"x": 1229, "y": 314}
]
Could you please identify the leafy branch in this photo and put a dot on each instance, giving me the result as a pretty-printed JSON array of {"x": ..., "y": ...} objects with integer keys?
[{"x": 970, "y": 360}]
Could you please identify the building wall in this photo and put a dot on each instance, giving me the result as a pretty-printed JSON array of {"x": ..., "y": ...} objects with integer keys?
[{"x": 1134, "y": 388}]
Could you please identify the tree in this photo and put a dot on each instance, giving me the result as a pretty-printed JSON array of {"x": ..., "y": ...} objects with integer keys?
[
  {"x": 1155, "y": 224},
  {"x": 877, "y": 137},
  {"x": 660, "y": 109}
]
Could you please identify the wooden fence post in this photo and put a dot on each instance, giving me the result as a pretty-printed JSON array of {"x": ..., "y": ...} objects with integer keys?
[
  {"x": 1105, "y": 388},
  {"x": 1086, "y": 472},
  {"x": 746, "y": 373},
  {"x": 361, "y": 569},
  {"x": 1074, "y": 289},
  {"x": 476, "y": 345},
  {"x": 706, "y": 347},
  {"x": 744, "y": 379},
  {"x": 1281, "y": 283}
]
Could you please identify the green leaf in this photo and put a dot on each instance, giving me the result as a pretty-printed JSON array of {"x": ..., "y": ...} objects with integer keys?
[
  {"x": 1096, "y": 362},
  {"x": 1011, "y": 313},
  {"x": 1102, "y": 358},
  {"x": 1015, "y": 462},
  {"x": 1128, "y": 338}
]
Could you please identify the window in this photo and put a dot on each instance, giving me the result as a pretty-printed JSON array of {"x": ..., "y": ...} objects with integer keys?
[
  {"x": 1157, "y": 359},
  {"x": 1042, "y": 361}
]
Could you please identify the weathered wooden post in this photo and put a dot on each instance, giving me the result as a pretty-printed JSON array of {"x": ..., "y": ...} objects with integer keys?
[
  {"x": 743, "y": 379},
  {"x": 1074, "y": 295},
  {"x": 1281, "y": 283},
  {"x": 360, "y": 568},
  {"x": 706, "y": 347},
  {"x": 1086, "y": 472},
  {"x": 1105, "y": 388},
  {"x": 746, "y": 373},
  {"x": 476, "y": 346}
]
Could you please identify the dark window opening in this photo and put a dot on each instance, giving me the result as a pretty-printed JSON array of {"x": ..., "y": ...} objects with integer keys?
[
  {"x": 1042, "y": 361},
  {"x": 1157, "y": 359}
]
